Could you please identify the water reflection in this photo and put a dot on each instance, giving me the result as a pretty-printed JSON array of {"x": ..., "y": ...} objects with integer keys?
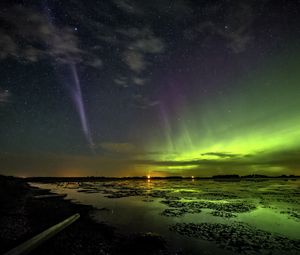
[{"x": 266, "y": 210}]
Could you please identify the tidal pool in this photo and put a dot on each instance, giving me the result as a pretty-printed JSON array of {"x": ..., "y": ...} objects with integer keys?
[{"x": 198, "y": 216}]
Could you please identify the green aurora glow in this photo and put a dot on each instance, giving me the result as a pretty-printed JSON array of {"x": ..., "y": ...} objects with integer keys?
[{"x": 257, "y": 122}]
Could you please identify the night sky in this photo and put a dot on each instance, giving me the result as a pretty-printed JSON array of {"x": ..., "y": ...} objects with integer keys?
[{"x": 122, "y": 88}]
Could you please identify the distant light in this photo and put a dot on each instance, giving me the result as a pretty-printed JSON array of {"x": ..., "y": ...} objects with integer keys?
[
  {"x": 75, "y": 28},
  {"x": 192, "y": 177},
  {"x": 148, "y": 176}
]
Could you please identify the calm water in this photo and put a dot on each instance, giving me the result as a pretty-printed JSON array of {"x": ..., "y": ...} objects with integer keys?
[{"x": 259, "y": 212}]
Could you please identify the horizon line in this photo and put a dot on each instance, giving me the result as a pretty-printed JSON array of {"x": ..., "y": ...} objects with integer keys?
[{"x": 230, "y": 176}]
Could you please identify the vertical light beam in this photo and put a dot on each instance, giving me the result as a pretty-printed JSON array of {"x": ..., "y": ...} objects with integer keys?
[
  {"x": 76, "y": 95},
  {"x": 75, "y": 90}
]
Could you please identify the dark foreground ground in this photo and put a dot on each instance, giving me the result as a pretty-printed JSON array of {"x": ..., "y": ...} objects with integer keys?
[{"x": 22, "y": 216}]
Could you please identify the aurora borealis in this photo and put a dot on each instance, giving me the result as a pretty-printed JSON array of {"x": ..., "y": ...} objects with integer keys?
[
  {"x": 120, "y": 88},
  {"x": 257, "y": 130}
]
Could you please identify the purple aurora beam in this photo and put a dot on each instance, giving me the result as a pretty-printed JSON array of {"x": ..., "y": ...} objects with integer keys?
[{"x": 76, "y": 95}]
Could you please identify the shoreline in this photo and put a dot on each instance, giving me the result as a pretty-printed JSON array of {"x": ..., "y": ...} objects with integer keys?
[
  {"x": 225, "y": 178},
  {"x": 22, "y": 217}
]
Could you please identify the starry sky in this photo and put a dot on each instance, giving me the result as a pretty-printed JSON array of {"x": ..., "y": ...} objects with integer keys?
[{"x": 126, "y": 88}]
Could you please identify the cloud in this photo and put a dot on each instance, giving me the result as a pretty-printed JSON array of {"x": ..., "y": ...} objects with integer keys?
[
  {"x": 170, "y": 9},
  {"x": 129, "y": 7},
  {"x": 149, "y": 45},
  {"x": 107, "y": 38},
  {"x": 121, "y": 81},
  {"x": 235, "y": 28},
  {"x": 4, "y": 96},
  {"x": 40, "y": 39},
  {"x": 221, "y": 154},
  {"x": 236, "y": 40},
  {"x": 135, "y": 60},
  {"x": 33, "y": 37},
  {"x": 7, "y": 46},
  {"x": 141, "y": 42},
  {"x": 139, "y": 81},
  {"x": 96, "y": 62},
  {"x": 144, "y": 102}
]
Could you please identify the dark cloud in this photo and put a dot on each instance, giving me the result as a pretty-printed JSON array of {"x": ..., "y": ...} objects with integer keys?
[
  {"x": 221, "y": 154},
  {"x": 140, "y": 43},
  {"x": 121, "y": 81},
  {"x": 172, "y": 9},
  {"x": 135, "y": 60},
  {"x": 236, "y": 28},
  {"x": 143, "y": 102},
  {"x": 236, "y": 39},
  {"x": 129, "y": 6},
  {"x": 8, "y": 48},
  {"x": 139, "y": 81},
  {"x": 289, "y": 158},
  {"x": 150, "y": 44},
  {"x": 4, "y": 96},
  {"x": 32, "y": 37}
]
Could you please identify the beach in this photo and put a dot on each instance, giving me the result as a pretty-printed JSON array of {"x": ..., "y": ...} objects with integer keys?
[
  {"x": 153, "y": 216},
  {"x": 22, "y": 217}
]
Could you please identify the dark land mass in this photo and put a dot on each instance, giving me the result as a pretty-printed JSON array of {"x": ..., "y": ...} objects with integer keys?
[
  {"x": 232, "y": 177},
  {"x": 22, "y": 217}
]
